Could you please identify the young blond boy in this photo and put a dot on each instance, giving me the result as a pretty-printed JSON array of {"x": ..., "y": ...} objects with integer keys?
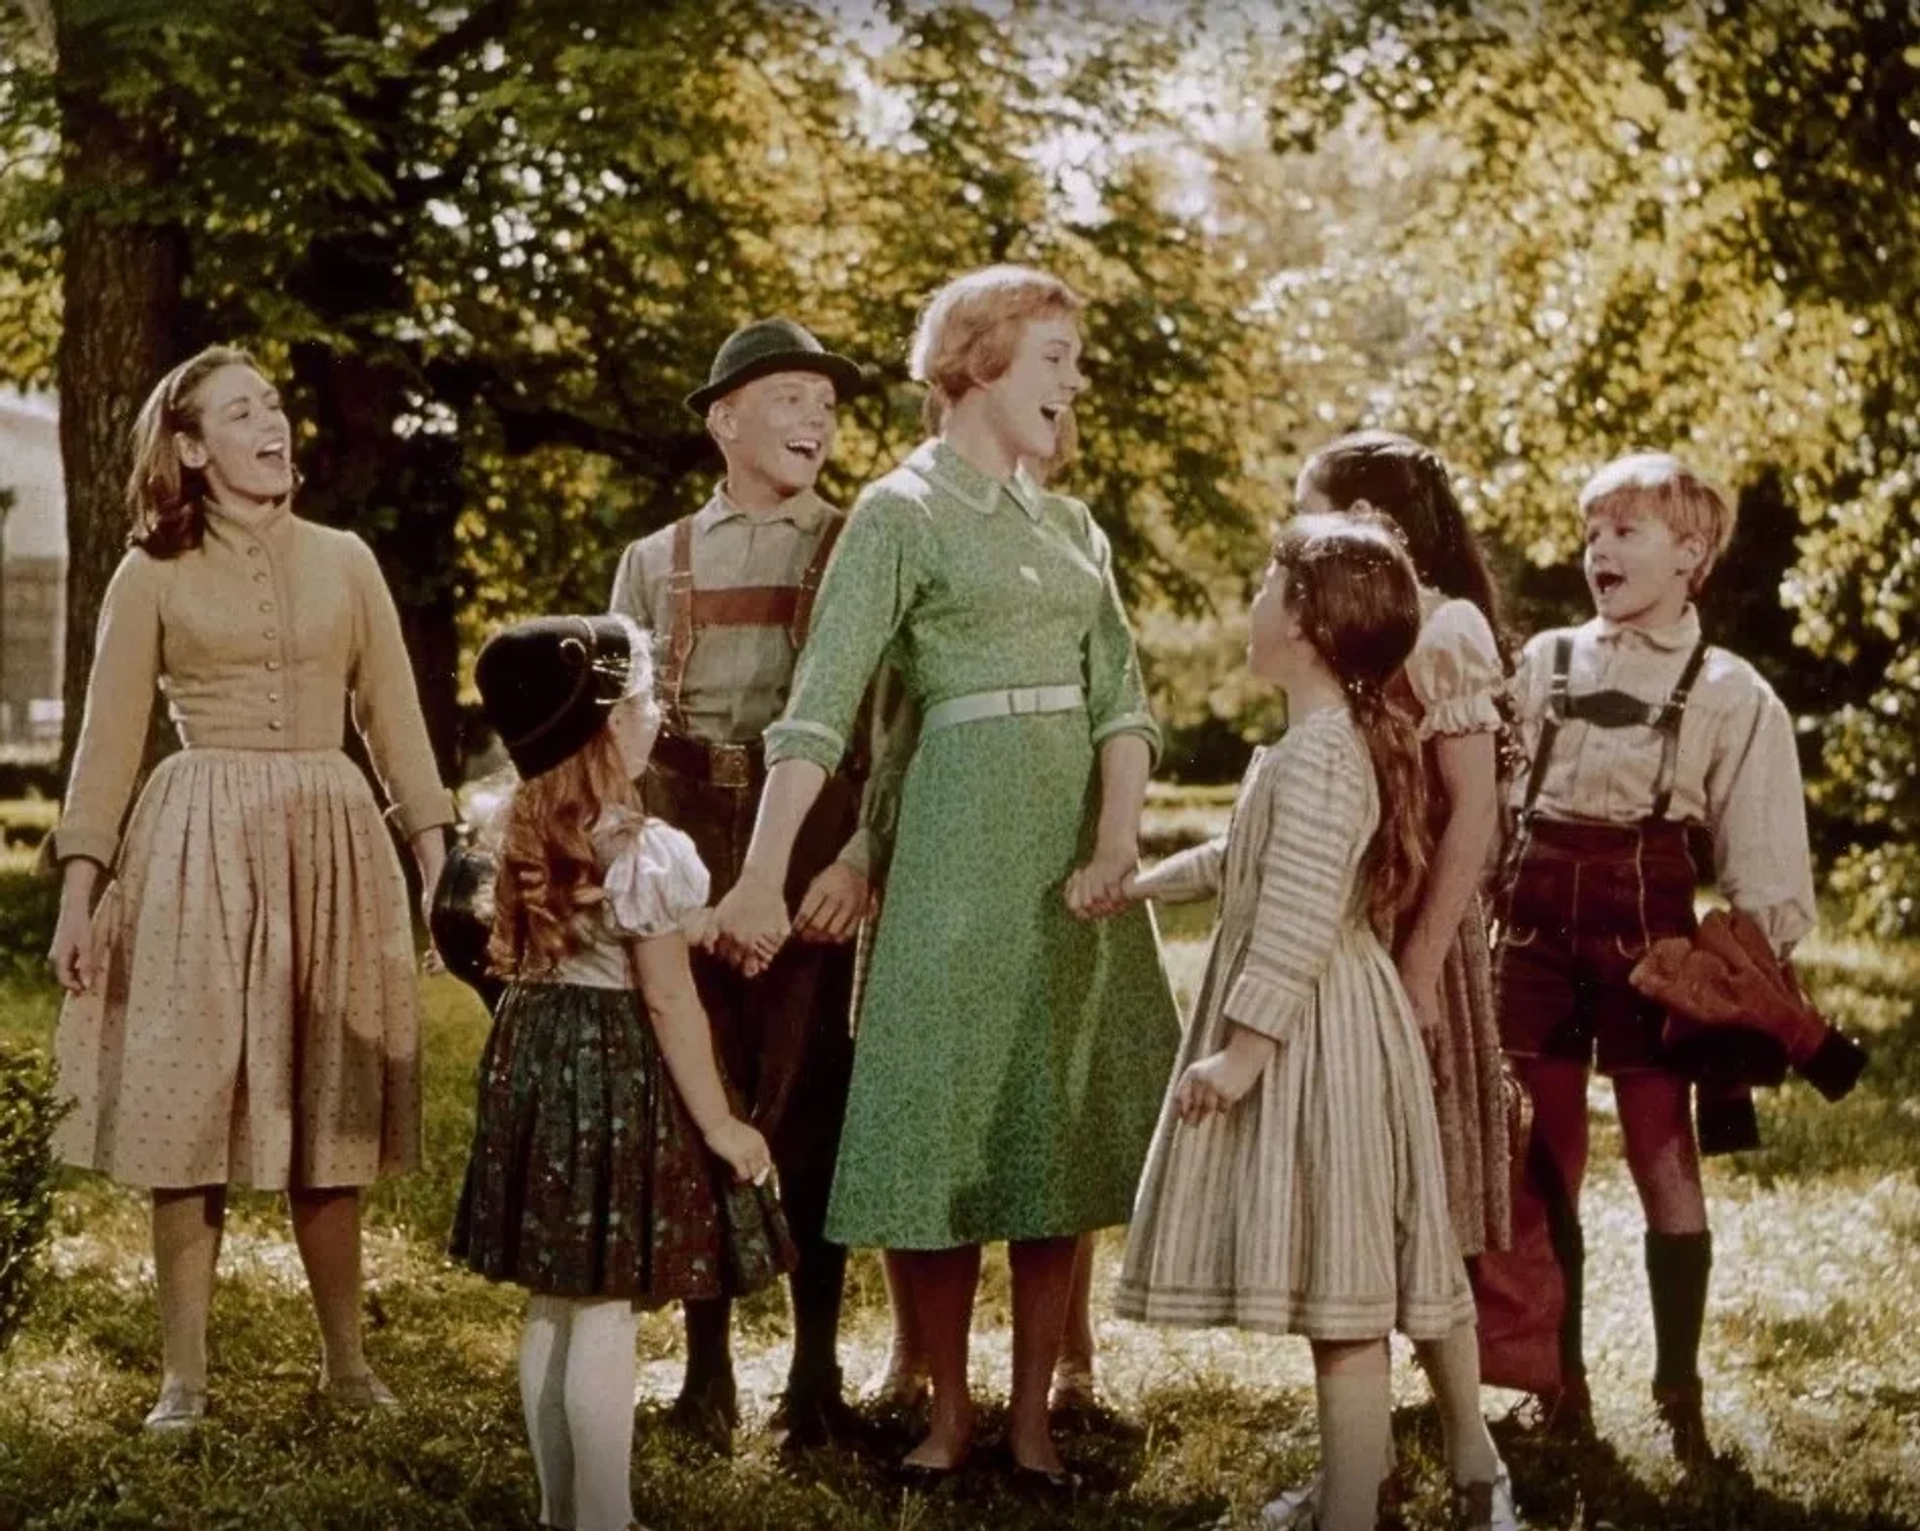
[
  {"x": 1640, "y": 738},
  {"x": 728, "y": 593}
]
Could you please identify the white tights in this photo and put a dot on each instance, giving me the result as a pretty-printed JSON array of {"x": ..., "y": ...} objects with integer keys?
[
  {"x": 1453, "y": 1368},
  {"x": 576, "y": 1388}
]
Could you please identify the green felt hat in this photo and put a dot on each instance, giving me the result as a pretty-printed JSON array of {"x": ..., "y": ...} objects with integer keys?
[{"x": 767, "y": 346}]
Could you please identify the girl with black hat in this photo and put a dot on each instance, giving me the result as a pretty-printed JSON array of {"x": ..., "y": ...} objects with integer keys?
[{"x": 609, "y": 1170}]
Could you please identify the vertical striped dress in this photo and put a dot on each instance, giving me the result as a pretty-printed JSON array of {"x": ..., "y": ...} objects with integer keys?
[{"x": 1318, "y": 1204}]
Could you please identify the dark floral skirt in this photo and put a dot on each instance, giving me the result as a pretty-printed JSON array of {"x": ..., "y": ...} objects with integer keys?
[{"x": 588, "y": 1178}]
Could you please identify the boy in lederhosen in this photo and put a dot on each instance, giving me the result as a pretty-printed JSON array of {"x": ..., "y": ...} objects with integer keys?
[
  {"x": 1641, "y": 736},
  {"x": 728, "y": 593}
]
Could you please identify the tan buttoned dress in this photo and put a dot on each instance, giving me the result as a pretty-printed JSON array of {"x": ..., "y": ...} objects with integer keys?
[{"x": 254, "y": 1018}]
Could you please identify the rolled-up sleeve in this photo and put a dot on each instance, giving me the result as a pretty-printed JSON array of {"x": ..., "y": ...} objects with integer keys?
[
  {"x": 119, "y": 705},
  {"x": 1306, "y": 875},
  {"x": 870, "y": 585},
  {"x": 386, "y": 703},
  {"x": 1116, "y": 690}
]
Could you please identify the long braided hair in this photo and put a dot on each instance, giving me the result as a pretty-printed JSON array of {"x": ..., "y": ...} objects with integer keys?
[{"x": 1353, "y": 589}]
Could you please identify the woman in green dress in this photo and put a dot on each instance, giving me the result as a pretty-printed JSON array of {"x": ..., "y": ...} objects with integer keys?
[{"x": 1012, "y": 1048}]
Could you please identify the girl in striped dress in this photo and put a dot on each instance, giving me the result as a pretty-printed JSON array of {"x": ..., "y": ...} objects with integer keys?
[{"x": 1295, "y": 1182}]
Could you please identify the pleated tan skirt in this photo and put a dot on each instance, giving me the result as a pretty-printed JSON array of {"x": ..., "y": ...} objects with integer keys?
[{"x": 254, "y": 1021}]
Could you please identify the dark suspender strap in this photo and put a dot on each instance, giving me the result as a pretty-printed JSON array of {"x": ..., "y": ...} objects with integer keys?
[
  {"x": 810, "y": 582},
  {"x": 1669, "y": 725},
  {"x": 679, "y": 625},
  {"x": 1550, "y": 726}
]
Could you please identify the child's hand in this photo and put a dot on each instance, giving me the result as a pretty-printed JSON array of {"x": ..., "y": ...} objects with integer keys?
[
  {"x": 1215, "y": 1084},
  {"x": 700, "y": 928},
  {"x": 751, "y": 923},
  {"x": 743, "y": 1148},
  {"x": 1097, "y": 889},
  {"x": 1423, "y": 996}
]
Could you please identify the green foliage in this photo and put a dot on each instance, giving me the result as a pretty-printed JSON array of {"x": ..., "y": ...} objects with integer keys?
[
  {"x": 29, "y": 1111},
  {"x": 1618, "y": 225},
  {"x": 491, "y": 247}
]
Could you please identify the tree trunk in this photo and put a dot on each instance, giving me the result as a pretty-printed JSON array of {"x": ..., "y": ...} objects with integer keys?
[
  {"x": 121, "y": 291},
  {"x": 401, "y": 491}
]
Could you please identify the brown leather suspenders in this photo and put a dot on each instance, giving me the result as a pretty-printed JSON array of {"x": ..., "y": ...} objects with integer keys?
[{"x": 690, "y": 609}]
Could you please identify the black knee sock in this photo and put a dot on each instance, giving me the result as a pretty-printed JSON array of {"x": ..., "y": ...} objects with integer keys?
[
  {"x": 1572, "y": 1251},
  {"x": 1677, "y": 1268},
  {"x": 709, "y": 1354},
  {"x": 814, "y": 1286}
]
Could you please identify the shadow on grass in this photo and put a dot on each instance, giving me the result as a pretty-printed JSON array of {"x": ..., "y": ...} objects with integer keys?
[{"x": 1591, "y": 1486}]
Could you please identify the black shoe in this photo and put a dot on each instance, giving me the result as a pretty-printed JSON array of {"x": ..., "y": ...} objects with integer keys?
[
  {"x": 1039, "y": 1484},
  {"x": 811, "y": 1418},
  {"x": 1681, "y": 1412},
  {"x": 1043, "y": 1486},
  {"x": 922, "y": 1477},
  {"x": 708, "y": 1412}
]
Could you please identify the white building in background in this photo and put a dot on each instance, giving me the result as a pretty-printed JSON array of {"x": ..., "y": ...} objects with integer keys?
[{"x": 33, "y": 567}]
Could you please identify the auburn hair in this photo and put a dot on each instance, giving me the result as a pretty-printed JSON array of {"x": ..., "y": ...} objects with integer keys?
[
  {"x": 549, "y": 884},
  {"x": 1353, "y": 590},
  {"x": 970, "y": 329},
  {"x": 164, "y": 495}
]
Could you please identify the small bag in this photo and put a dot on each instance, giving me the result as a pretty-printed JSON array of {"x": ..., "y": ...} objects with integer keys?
[
  {"x": 1736, "y": 1013},
  {"x": 461, "y": 920}
]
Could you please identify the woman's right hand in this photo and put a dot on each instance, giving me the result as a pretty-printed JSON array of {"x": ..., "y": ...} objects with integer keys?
[
  {"x": 75, "y": 953},
  {"x": 743, "y": 1148}
]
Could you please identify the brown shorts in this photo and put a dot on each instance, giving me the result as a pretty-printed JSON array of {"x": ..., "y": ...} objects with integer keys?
[{"x": 1586, "y": 903}]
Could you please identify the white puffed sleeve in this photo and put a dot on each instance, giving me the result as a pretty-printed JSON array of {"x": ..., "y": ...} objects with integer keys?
[
  {"x": 1455, "y": 672},
  {"x": 654, "y": 881}
]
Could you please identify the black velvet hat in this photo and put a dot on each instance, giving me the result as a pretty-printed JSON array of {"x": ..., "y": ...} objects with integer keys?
[
  {"x": 767, "y": 346},
  {"x": 546, "y": 684}
]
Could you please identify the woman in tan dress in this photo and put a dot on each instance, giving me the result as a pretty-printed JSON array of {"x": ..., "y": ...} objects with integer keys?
[
  {"x": 1457, "y": 676},
  {"x": 240, "y": 998}
]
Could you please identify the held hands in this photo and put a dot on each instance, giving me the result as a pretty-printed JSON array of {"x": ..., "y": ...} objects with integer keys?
[
  {"x": 743, "y": 1148},
  {"x": 750, "y": 923},
  {"x": 1106, "y": 884},
  {"x": 701, "y": 928},
  {"x": 836, "y": 902}
]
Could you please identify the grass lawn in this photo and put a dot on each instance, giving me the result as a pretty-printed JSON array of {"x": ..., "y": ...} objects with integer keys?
[{"x": 1812, "y": 1362}]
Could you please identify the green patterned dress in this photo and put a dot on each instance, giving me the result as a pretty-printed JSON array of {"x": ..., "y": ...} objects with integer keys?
[{"x": 1010, "y": 1058}]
